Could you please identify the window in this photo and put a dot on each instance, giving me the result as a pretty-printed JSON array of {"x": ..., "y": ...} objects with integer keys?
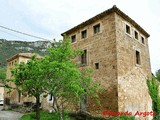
[
  {"x": 73, "y": 38},
  {"x": 84, "y": 34},
  {"x": 136, "y": 35},
  {"x": 142, "y": 39},
  {"x": 97, "y": 65},
  {"x": 96, "y": 28},
  {"x": 128, "y": 29},
  {"x": 84, "y": 57},
  {"x": 138, "y": 57}
]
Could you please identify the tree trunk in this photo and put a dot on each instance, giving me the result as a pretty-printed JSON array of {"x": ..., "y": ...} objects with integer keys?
[
  {"x": 59, "y": 109},
  {"x": 37, "y": 108},
  {"x": 61, "y": 115},
  {"x": 54, "y": 105}
]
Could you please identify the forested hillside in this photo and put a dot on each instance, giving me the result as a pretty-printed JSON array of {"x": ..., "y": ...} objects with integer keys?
[{"x": 10, "y": 48}]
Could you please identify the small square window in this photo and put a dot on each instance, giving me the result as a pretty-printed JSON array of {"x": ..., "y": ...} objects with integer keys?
[
  {"x": 138, "y": 61},
  {"x": 142, "y": 38},
  {"x": 84, "y": 34},
  {"x": 128, "y": 29},
  {"x": 96, "y": 28},
  {"x": 136, "y": 35},
  {"x": 73, "y": 38},
  {"x": 97, "y": 65}
]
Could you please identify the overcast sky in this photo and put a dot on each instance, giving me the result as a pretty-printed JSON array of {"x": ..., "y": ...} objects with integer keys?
[{"x": 50, "y": 18}]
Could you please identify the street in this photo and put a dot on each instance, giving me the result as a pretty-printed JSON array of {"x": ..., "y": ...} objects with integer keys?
[{"x": 9, "y": 115}]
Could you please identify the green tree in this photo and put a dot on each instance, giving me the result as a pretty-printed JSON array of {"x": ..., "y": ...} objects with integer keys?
[
  {"x": 153, "y": 86},
  {"x": 56, "y": 74},
  {"x": 158, "y": 75},
  {"x": 29, "y": 80},
  {"x": 2, "y": 74},
  {"x": 67, "y": 81}
]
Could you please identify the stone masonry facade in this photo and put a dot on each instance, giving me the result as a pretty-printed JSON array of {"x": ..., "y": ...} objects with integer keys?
[{"x": 116, "y": 47}]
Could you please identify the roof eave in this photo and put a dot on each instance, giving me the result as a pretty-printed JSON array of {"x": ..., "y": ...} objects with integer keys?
[{"x": 107, "y": 12}]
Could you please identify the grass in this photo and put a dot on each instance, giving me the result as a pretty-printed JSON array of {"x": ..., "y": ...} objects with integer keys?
[
  {"x": 55, "y": 116},
  {"x": 44, "y": 116}
]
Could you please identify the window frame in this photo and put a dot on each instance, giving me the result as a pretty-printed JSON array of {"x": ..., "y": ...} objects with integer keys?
[
  {"x": 82, "y": 32},
  {"x": 84, "y": 56},
  {"x": 143, "y": 40},
  {"x": 138, "y": 57},
  {"x": 136, "y": 35},
  {"x": 95, "y": 30},
  {"x": 72, "y": 38},
  {"x": 127, "y": 24}
]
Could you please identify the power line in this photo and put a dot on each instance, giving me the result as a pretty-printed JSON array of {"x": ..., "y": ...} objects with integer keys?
[
  {"x": 13, "y": 35},
  {"x": 24, "y": 33}
]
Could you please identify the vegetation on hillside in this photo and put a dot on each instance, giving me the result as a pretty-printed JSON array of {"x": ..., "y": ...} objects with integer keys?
[
  {"x": 10, "y": 48},
  {"x": 2, "y": 74}
]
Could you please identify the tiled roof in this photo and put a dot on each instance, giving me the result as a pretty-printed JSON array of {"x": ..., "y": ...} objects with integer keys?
[
  {"x": 107, "y": 12},
  {"x": 25, "y": 55}
]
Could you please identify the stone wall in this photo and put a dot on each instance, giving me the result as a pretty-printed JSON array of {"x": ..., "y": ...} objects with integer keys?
[
  {"x": 132, "y": 88},
  {"x": 101, "y": 49}
]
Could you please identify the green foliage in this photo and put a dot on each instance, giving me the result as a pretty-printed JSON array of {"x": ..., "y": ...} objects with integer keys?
[
  {"x": 154, "y": 93},
  {"x": 29, "y": 80},
  {"x": 44, "y": 116},
  {"x": 55, "y": 74},
  {"x": 2, "y": 74},
  {"x": 28, "y": 77},
  {"x": 10, "y": 48},
  {"x": 68, "y": 81},
  {"x": 158, "y": 75},
  {"x": 123, "y": 118}
]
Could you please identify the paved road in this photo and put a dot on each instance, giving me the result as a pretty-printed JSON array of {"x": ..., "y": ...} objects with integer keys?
[{"x": 9, "y": 115}]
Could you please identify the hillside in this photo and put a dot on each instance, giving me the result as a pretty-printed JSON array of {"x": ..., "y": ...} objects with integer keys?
[{"x": 10, "y": 48}]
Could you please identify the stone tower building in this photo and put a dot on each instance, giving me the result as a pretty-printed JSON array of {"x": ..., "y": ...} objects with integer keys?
[{"x": 117, "y": 48}]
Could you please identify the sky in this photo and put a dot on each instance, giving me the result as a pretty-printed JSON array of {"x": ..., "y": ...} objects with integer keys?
[{"x": 50, "y": 18}]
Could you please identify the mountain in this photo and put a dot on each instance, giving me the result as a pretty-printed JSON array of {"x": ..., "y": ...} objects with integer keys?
[{"x": 10, "y": 48}]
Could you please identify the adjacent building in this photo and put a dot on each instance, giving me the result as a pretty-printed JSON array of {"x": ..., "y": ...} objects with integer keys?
[
  {"x": 15, "y": 97},
  {"x": 116, "y": 47}
]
